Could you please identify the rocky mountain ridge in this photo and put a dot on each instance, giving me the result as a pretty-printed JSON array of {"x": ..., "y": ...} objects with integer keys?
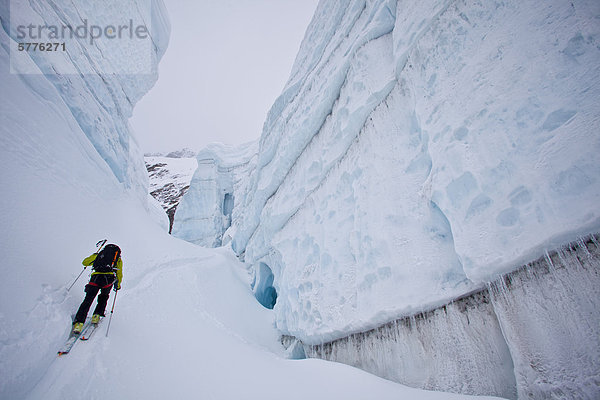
[{"x": 169, "y": 180}]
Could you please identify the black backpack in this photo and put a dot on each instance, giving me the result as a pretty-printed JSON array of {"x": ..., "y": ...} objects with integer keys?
[{"x": 106, "y": 260}]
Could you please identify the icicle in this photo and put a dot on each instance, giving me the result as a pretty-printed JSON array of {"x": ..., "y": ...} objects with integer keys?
[
  {"x": 594, "y": 239},
  {"x": 548, "y": 260},
  {"x": 463, "y": 346}
]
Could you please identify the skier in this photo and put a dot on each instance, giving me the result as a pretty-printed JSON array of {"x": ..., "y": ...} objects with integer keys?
[{"x": 107, "y": 273}]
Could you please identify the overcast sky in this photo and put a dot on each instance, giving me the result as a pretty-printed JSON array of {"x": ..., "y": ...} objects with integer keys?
[{"x": 226, "y": 63}]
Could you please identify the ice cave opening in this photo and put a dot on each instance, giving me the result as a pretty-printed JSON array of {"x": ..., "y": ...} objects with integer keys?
[
  {"x": 262, "y": 286},
  {"x": 228, "y": 204}
]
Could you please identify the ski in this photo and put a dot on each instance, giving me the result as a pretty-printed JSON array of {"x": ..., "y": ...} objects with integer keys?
[
  {"x": 66, "y": 348},
  {"x": 89, "y": 330}
]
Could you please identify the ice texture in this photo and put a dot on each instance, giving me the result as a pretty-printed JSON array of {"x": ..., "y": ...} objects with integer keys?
[
  {"x": 419, "y": 150},
  {"x": 532, "y": 334},
  {"x": 88, "y": 78},
  {"x": 457, "y": 348},
  {"x": 262, "y": 285},
  {"x": 549, "y": 312},
  {"x": 208, "y": 207}
]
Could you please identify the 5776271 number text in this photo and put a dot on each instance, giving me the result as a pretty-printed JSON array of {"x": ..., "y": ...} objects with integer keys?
[{"x": 42, "y": 46}]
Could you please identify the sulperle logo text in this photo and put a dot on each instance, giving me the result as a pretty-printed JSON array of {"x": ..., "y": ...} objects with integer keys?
[{"x": 83, "y": 31}]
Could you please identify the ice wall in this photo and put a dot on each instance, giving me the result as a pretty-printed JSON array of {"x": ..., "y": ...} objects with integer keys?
[
  {"x": 420, "y": 149},
  {"x": 549, "y": 312},
  {"x": 207, "y": 209},
  {"x": 534, "y": 333},
  {"x": 96, "y": 82},
  {"x": 458, "y": 347}
]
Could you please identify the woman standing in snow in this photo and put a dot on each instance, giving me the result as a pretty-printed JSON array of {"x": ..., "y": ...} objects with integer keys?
[{"x": 107, "y": 271}]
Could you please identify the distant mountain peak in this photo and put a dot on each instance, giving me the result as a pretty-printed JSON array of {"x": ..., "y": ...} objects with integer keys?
[
  {"x": 169, "y": 180},
  {"x": 186, "y": 152},
  {"x": 183, "y": 153}
]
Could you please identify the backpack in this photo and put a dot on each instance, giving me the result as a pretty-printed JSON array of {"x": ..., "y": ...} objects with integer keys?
[{"x": 106, "y": 260}]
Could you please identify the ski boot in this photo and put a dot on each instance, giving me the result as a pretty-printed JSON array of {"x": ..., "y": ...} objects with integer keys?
[
  {"x": 95, "y": 318},
  {"x": 77, "y": 327}
]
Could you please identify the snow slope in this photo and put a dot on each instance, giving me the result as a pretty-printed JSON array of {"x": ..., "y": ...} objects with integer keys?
[
  {"x": 421, "y": 149},
  {"x": 60, "y": 197},
  {"x": 174, "y": 334}
]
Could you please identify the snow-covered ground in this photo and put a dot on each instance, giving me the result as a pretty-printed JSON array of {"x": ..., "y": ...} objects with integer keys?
[{"x": 188, "y": 327}]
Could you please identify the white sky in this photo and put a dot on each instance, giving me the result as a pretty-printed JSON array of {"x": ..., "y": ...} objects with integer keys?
[{"x": 226, "y": 63}]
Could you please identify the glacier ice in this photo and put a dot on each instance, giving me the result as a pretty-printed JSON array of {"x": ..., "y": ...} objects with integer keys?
[
  {"x": 344, "y": 263},
  {"x": 262, "y": 285},
  {"x": 418, "y": 151},
  {"x": 549, "y": 314},
  {"x": 208, "y": 207},
  {"x": 89, "y": 78},
  {"x": 532, "y": 333}
]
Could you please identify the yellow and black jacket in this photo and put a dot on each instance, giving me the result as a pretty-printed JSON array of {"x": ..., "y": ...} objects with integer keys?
[{"x": 88, "y": 261}]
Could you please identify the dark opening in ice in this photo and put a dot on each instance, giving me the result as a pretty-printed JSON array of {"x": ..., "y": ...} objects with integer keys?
[
  {"x": 263, "y": 288},
  {"x": 228, "y": 204}
]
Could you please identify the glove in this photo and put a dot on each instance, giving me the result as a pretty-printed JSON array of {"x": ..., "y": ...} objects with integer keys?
[{"x": 116, "y": 287}]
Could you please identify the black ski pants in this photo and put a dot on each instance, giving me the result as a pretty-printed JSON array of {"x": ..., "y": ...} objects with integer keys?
[{"x": 98, "y": 283}]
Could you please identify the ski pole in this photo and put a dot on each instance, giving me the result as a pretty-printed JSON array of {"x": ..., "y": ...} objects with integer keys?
[
  {"x": 100, "y": 243},
  {"x": 111, "y": 312},
  {"x": 76, "y": 279}
]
